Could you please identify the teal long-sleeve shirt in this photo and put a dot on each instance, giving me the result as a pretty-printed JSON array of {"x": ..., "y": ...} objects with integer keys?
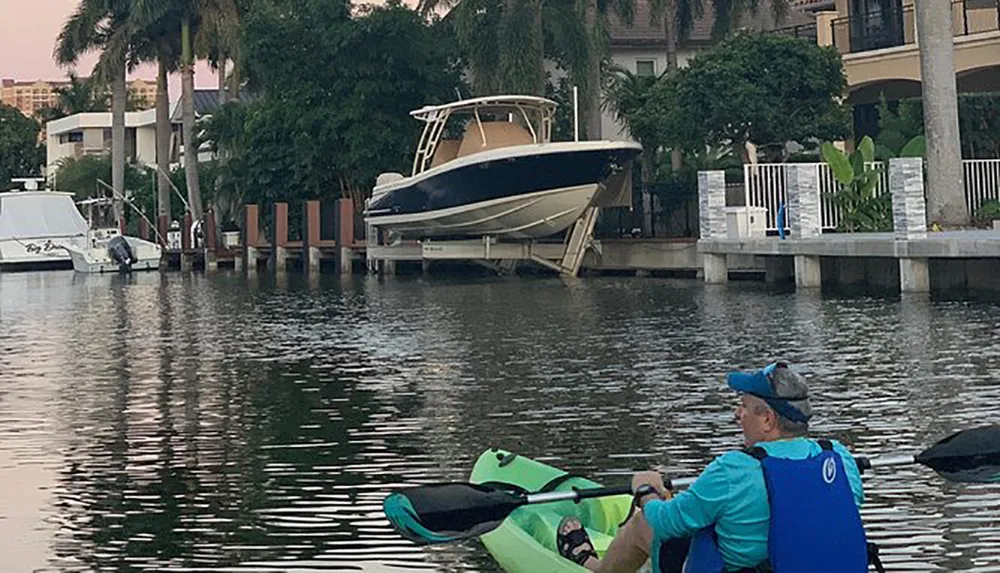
[{"x": 730, "y": 493}]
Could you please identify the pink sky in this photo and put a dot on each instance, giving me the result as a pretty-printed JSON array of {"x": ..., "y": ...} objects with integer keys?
[{"x": 28, "y": 31}]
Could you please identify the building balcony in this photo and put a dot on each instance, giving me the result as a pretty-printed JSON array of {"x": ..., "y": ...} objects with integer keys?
[
  {"x": 881, "y": 56},
  {"x": 897, "y": 27}
]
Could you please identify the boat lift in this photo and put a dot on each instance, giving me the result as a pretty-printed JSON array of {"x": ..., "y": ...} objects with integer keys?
[{"x": 566, "y": 258}]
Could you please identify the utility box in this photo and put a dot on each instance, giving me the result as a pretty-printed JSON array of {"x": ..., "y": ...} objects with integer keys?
[{"x": 746, "y": 222}]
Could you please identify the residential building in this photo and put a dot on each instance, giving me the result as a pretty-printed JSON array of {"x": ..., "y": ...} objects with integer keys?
[
  {"x": 90, "y": 133},
  {"x": 642, "y": 47},
  {"x": 878, "y": 41},
  {"x": 33, "y": 96}
]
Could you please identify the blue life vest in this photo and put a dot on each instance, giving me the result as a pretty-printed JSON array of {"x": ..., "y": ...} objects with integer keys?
[{"x": 815, "y": 525}]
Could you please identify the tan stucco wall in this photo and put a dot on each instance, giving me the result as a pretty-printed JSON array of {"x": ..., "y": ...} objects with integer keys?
[{"x": 972, "y": 53}]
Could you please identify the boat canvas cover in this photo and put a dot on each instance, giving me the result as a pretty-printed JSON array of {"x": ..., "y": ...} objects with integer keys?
[{"x": 40, "y": 215}]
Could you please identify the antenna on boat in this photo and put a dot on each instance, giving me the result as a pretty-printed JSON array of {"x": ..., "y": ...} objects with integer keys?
[{"x": 576, "y": 114}]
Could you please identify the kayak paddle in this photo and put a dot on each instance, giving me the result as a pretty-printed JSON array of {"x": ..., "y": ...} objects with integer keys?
[{"x": 445, "y": 512}]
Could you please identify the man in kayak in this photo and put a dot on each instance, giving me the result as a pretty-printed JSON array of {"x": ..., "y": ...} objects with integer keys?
[{"x": 799, "y": 514}]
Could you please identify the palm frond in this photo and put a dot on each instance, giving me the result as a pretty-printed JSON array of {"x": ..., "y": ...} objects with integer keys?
[{"x": 81, "y": 33}]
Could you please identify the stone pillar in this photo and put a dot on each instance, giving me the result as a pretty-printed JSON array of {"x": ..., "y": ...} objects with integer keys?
[
  {"x": 909, "y": 218},
  {"x": 807, "y": 272},
  {"x": 712, "y": 204},
  {"x": 909, "y": 211},
  {"x": 712, "y": 222},
  {"x": 803, "y": 201},
  {"x": 716, "y": 271},
  {"x": 914, "y": 275}
]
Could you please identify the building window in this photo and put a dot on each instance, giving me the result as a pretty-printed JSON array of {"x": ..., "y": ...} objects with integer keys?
[{"x": 645, "y": 67}]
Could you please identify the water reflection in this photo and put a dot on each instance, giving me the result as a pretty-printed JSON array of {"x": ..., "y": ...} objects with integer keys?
[{"x": 172, "y": 422}]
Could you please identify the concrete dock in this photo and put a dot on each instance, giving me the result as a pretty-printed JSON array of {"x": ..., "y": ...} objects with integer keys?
[{"x": 910, "y": 258}]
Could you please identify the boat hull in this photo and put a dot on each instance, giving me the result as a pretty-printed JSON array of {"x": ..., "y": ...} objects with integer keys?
[
  {"x": 522, "y": 192},
  {"x": 530, "y": 216},
  {"x": 97, "y": 260}
]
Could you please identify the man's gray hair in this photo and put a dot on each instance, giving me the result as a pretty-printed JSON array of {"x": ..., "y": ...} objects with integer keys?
[{"x": 790, "y": 384}]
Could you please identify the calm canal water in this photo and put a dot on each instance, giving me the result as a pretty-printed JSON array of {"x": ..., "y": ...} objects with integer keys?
[{"x": 178, "y": 423}]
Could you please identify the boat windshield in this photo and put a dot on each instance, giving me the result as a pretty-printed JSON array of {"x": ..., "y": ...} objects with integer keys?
[{"x": 473, "y": 126}]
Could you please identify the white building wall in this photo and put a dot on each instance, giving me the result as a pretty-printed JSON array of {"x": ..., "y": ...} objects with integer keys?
[
  {"x": 145, "y": 145},
  {"x": 629, "y": 58},
  {"x": 93, "y": 139}
]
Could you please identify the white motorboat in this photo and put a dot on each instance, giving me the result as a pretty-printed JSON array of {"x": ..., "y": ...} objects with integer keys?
[
  {"x": 107, "y": 250},
  {"x": 35, "y": 225},
  {"x": 503, "y": 177}
]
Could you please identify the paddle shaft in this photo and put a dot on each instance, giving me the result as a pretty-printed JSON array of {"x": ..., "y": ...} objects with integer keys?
[{"x": 581, "y": 494}]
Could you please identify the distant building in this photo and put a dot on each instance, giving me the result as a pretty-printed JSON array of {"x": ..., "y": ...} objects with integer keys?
[
  {"x": 32, "y": 96},
  {"x": 90, "y": 133}
]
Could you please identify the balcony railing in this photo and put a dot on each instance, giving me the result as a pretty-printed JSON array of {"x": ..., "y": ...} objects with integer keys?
[
  {"x": 803, "y": 31},
  {"x": 897, "y": 26}
]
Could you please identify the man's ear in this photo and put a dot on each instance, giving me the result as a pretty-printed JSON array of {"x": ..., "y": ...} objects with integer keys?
[{"x": 772, "y": 419}]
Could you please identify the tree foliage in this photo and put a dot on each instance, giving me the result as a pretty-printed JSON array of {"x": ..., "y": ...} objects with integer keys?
[
  {"x": 978, "y": 116},
  {"x": 323, "y": 131},
  {"x": 20, "y": 153},
  {"x": 766, "y": 89},
  {"x": 862, "y": 208}
]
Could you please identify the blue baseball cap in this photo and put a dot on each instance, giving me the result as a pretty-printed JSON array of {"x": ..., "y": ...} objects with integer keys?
[{"x": 784, "y": 389}]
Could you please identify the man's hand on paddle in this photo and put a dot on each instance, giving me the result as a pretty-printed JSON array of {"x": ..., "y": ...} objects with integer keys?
[{"x": 652, "y": 478}]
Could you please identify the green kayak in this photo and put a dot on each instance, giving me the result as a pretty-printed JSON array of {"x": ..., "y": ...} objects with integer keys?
[{"x": 526, "y": 540}]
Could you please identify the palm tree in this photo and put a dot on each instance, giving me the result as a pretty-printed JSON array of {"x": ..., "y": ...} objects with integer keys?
[
  {"x": 197, "y": 18},
  {"x": 158, "y": 42},
  {"x": 102, "y": 25},
  {"x": 81, "y": 95},
  {"x": 504, "y": 43},
  {"x": 945, "y": 190}
]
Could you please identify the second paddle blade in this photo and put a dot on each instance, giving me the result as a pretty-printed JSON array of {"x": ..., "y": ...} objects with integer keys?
[
  {"x": 970, "y": 456},
  {"x": 440, "y": 513}
]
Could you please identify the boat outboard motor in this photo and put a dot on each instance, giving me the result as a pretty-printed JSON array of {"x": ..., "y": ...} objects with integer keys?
[{"x": 121, "y": 252}]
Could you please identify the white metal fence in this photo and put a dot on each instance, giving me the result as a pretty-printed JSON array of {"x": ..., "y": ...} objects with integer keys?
[{"x": 765, "y": 186}]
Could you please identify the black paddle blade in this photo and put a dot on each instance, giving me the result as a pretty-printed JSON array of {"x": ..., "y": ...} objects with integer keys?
[
  {"x": 440, "y": 513},
  {"x": 971, "y": 456}
]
